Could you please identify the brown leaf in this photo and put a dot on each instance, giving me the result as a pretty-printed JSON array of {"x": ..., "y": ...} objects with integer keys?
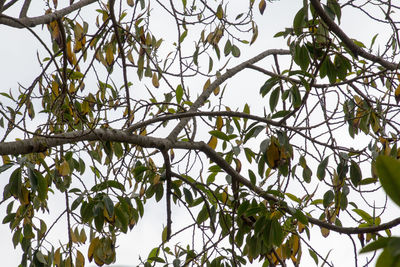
[{"x": 261, "y": 6}]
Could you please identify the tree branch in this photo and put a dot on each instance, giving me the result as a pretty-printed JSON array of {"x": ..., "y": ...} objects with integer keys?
[
  {"x": 40, "y": 144},
  {"x": 44, "y": 19},
  {"x": 24, "y": 9},
  {"x": 228, "y": 74},
  {"x": 355, "y": 49}
]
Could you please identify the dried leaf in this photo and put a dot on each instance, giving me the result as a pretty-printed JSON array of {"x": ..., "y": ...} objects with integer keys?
[{"x": 261, "y": 6}]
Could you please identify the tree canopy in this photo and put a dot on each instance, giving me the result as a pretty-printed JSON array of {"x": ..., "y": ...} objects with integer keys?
[{"x": 131, "y": 109}]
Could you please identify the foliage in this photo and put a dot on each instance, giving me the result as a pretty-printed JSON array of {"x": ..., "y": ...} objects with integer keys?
[{"x": 123, "y": 114}]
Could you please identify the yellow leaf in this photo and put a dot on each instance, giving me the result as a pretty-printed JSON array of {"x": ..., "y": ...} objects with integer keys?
[
  {"x": 207, "y": 84},
  {"x": 152, "y": 165},
  {"x": 273, "y": 155},
  {"x": 55, "y": 88},
  {"x": 57, "y": 257},
  {"x": 68, "y": 262},
  {"x": 109, "y": 55},
  {"x": 107, "y": 216},
  {"x": 72, "y": 88},
  {"x": 156, "y": 179},
  {"x": 80, "y": 259},
  {"x": 130, "y": 3},
  {"x": 63, "y": 169},
  {"x": 6, "y": 159},
  {"x": 24, "y": 196},
  {"x": 171, "y": 154},
  {"x": 92, "y": 247},
  {"x": 130, "y": 57},
  {"x": 238, "y": 165},
  {"x": 296, "y": 245},
  {"x": 164, "y": 234},
  {"x": 255, "y": 33},
  {"x": 73, "y": 236},
  {"x": 225, "y": 195},
  {"x": 216, "y": 90},
  {"x": 397, "y": 94},
  {"x": 261, "y": 6},
  {"x": 219, "y": 123},
  {"x": 213, "y": 142},
  {"x": 77, "y": 46},
  {"x": 278, "y": 251},
  {"x": 82, "y": 236},
  {"x": 324, "y": 232},
  {"x": 220, "y": 12},
  {"x": 155, "y": 81},
  {"x": 70, "y": 55}
]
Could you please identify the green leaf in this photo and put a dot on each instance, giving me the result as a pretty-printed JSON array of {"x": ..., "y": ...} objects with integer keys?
[
  {"x": 328, "y": 197},
  {"x": 375, "y": 245},
  {"x": 118, "y": 150},
  {"x": 355, "y": 173},
  {"x": 188, "y": 196},
  {"x": 293, "y": 197},
  {"x": 42, "y": 186},
  {"x": 267, "y": 86},
  {"x": 364, "y": 215},
  {"x": 388, "y": 170},
  {"x": 276, "y": 233},
  {"x": 273, "y": 99},
  {"x": 179, "y": 93},
  {"x": 203, "y": 215},
  {"x": 122, "y": 217},
  {"x": 296, "y": 97},
  {"x": 334, "y": 5},
  {"x": 76, "y": 202},
  {"x": 280, "y": 114},
  {"x": 227, "y": 47},
  {"x": 313, "y": 255},
  {"x": 235, "y": 51},
  {"x": 299, "y": 21},
  {"x": 15, "y": 182},
  {"x": 302, "y": 57},
  {"x": 321, "y": 168},
  {"x": 5, "y": 167},
  {"x": 307, "y": 173},
  {"x": 183, "y": 36},
  {"x": 109, "y": 205},
  {"x": 388, "y": 259},
  {"x": 220, "y": 135},
  {"x": 252, "y": 177},
  {"x": 243, "y": 207}
]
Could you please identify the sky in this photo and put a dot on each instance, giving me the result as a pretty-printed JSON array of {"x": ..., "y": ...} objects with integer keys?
[{"x": 18, "y": 54}]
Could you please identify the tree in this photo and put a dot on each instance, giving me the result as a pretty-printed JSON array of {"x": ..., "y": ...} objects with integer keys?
[{"x": 122, "y": 113}]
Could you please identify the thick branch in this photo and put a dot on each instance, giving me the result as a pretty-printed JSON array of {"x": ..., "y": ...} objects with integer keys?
[
  {"x": 228, "y": 74},
  {"x": 355, "y": 49},
  {"x": 40, "y": 144},
  {"x": 24, "y": 9},
  {"x": 44, "y": 19}
]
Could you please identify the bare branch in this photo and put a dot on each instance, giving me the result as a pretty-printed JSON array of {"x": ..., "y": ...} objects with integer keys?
[
  {"x": 24, "y": 9},
  {"x": 228, "y": 74},
  {"x": 47, "y": 18}
]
